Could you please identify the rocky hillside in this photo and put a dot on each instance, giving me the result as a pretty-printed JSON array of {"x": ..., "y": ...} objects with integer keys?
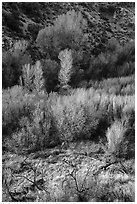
[{"x": 105, "y": 20}]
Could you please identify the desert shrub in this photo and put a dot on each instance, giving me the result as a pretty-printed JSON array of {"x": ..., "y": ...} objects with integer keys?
[
  {"x": 126, "y": 104},
  {"x": 96, "y": 122},
  {"x": 12, "y": 62},
  {"x": 33, "y": 77},
  {"x": 15, "y": 103},
  {"x": 100, "y": 109},
  {"x": 33, "y": 133},
  {"x": 67, "y": 32},
  {"x": 117, "y": 86},
  {"x": 79, "y": 115},
  {"x": 114, "y": 107},
  {"x": 121, "y": 137},
  {"x": 115, "y": 136},
  {"x": 28, "y": 124},
  {"x": 69, "y": 121}
]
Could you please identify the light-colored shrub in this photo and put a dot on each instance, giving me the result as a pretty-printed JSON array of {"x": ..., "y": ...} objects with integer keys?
[
  {"x": 66, "y": 61},
  {"x": 77, "y": 115},
  {"x": 115, "y": 136},
  {"x": 118, "y": 86},
  {"x": 15, "y": 102},
  {"x": 69, "y": 120},
  {"x": 80, "y": 114},
  {"x": 33, "y": 77},
  {"x": 27, "y": 77},
  {"x": 19, "y": 47},
  {"x": 33, "y": 132},
  {"x": 38, "y": 79}
]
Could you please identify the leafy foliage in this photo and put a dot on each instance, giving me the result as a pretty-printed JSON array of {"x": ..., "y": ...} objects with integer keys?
[
  {"x": 116, "y": 61},
  {"x": 67, "y": 32},
  {"x": 12, "y": 62}
]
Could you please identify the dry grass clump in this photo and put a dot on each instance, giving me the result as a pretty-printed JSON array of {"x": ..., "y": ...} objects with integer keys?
[{"x": 115, "y": 136}]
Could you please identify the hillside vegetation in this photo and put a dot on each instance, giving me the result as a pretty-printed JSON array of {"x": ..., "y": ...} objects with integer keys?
[{"x": 68, "y": 102}]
